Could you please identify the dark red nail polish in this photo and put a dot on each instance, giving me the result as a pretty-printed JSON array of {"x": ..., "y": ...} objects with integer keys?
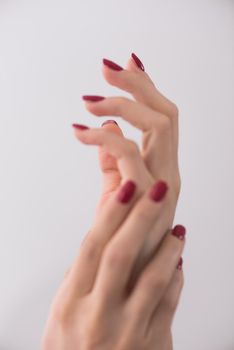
[
  {"x": 93, "y": 98},
  {"x": 179, "y": 231},
  {"x": 80, "y": 126},
  {"x": 126, "y": 192},
  {"x": 109, "y": 122},
  {"x": 138, "y": 61},
  {"x": 111, "y": 65},
  {"x": 180, "y": 263},
  {"x": 158, "y": 191}
]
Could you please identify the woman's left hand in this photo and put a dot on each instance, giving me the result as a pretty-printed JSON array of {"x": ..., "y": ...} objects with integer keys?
[{"x": 121, "y": 159}]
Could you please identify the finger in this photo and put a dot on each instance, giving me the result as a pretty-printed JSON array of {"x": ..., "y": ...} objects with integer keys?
[
  {"x": 117, "y": 146},
  {"x": 66, "y": 273},
  {"x": 163, "y": 314},
  {"x": 108, "y": 163},
  {"x": 83, "y": 272},
  {"x": 140, "y": 85},
  {"x": 136, "y": 113},
  {"x": 111, "y": 177},
  {"x": 123, "y": 250},
  {"x": 125, "y": 151},
  {"x": 156, "y": 127},
  {"x": 137, "y": 82},
  {"x": 158, "y": 101},
  {"x": 155, "y": 278}
]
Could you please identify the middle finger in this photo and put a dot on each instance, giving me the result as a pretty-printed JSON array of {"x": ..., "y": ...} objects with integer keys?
[{"x": 136, "y": 113}]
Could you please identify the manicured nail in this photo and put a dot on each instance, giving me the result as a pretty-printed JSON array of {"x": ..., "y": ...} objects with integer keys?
[
  {"x": 109, "y": 122},
  {"x": 80, "y": 126},
  {"x": 126, "y": 192},
  {"x": 111, "y": 64},
  {"x": 93, "y": 98},
  {"x": 179, "y": 231},
  {"x": 180, "y": 263},
  {"x": 158, "y": 191},
  {"x": 138, "y": 61}
]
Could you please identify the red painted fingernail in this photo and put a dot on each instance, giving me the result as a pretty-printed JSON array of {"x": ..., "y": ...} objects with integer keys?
[
  {"x": 179, "y": 231},
  {"x": 80, "y": 126},
  {"x": 180, "y": 263},
  {"x": 138, "y": 61},
  {"x": 111, "y": 65},
  {"x": 109, "y": 122},
  {"x": 158, "y": 191},
  {"x": 126, "y": 192},
  {"x": 93, "y": 98}
]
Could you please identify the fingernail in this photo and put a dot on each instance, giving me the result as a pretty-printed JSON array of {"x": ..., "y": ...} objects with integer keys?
[
  {"x": 180, "y": 263},
  {"x": 93, "y": 98},
  {"x": 126, "y": 192},
  {"x": 80, "y": 126},
  {"x": 109, "y": 122},
  {"x": 138, "y": 61},
  {"x": 158, "y": 191},
  {"x": 111, "y": 64},
  {"x": 179, "y": 231}
]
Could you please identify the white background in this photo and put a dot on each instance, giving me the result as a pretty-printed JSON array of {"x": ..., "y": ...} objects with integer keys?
[{"x": 50, "y": 55}]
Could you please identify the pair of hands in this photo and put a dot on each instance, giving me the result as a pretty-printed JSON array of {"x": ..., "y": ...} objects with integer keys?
[{"x": 123, "y": 288}]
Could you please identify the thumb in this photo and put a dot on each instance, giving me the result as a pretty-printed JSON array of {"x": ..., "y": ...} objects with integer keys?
[
  {"x": 107, "y": 163},
  {"x": 111, "y": 177}
]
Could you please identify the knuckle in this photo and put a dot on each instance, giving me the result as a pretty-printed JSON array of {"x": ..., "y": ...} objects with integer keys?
[
  {"x": 181, "y": 281},
  {"x": 95, "y": 335},
  {"x": 170, "y": 304},
  {"x": 171, "y": 300},
  {"x": 131, "y": 148},
  {"x": 120, "y": 103},
  {"x": 177, "y": 184},
  {"x": 160, "y": 283},
  {"x": 155, "y": 284},
  {"x": 144, "y": 214},
  {"x": 67, "y": 273},
  {"x": 116, "y": 258},
  {"x": 59, "y": 314},
  {"x": 164, "y": 125},
  {"x": 90, "y": 247},
  {"x": 174, "y": 111},
  {"x": 123, "y": 100}
]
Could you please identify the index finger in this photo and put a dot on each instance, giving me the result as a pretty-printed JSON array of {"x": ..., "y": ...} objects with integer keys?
[{"x": 140, "y": 85}]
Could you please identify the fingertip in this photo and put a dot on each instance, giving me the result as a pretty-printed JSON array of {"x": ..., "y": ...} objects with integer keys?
[
  {"x": 113, "y": 126},
  {"x": 179, "y": 231},
  {"x": 113, "y": 122},
  {"x": 80, "y": 127},
  {"x": 180, "y": 264},
  {"x": 131, "y": 65},
  {"x": 137, "y": 61}
]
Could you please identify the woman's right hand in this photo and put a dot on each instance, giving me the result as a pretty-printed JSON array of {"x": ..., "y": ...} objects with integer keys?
[
  {"x": 96, "y": 306},
  {"x": 120, "y": 158}
]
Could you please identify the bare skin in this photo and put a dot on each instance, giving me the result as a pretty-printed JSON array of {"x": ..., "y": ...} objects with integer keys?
[{"x": 123, "y": 288}]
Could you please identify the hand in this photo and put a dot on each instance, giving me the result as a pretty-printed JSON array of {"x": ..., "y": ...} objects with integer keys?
[
  {"x": 121, "y": 158},
  {"x": 95, "y": 308},
  {"x": 113, "y": 174}
]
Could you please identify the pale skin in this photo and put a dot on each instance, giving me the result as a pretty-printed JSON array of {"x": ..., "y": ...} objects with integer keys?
[{"x": 123, "y": 288}]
